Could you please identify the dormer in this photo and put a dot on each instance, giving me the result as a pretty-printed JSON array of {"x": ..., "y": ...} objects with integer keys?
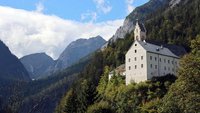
[{"x": 139, "y": 32}]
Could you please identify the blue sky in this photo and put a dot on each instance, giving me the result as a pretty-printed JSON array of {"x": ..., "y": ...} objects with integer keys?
[
  {"x": 34, "y": 26},
  {"x": 74, "y": 9}
]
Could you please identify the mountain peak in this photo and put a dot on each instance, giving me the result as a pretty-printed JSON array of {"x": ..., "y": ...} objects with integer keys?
[
  {"x": 77, "y": 50},
  {"x": 37, "y": 64}
]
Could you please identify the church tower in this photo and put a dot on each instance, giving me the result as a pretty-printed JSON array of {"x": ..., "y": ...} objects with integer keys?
[{"x": 139, "y": 32}]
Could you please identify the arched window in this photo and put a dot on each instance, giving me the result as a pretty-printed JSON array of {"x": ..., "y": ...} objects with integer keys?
[{"x": 136, "y": 37}]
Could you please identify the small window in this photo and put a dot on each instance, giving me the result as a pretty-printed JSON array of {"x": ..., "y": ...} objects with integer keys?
[
  {"x": 129, "y": 67},
  {"x": 155, "y": 59},
  {"x": 151, "y": 65},
  {"x": 135, "y": 51},
  {"x": 129, "y": 60},
  {"x": 135, "y": 58},
  {"x": 168, "y": 61},
  {"x": 141, "y": 57},
  {"x": 135, "y": 66},
  {"x": 142, "y": 66},
  {"x": 136, "y": 37},
  {"x": 135, "y": 44},
  {"x": 156, "y": 66},
  {"x": 150, "y": 57}
]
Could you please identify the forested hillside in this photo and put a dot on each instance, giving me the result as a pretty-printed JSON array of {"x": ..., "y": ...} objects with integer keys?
[
  {"x": 40, "y": 95},
  {"x": 93, "y": 93},
  {"x": 84, "y": 86},
  {"x": 177, "y": 25}
]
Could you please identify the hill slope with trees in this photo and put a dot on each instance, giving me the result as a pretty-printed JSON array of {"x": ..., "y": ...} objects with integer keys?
[{"x": 93, "y": 93}]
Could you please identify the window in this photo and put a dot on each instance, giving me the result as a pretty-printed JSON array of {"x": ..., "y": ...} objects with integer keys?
[
  {"x": 155, "y": 59},
  {"x": 150, "y": 57},
  {"x": 151, "y": 65},
  {"x": 141, "y": 57},
  {"x": 129, "y": 60},
  {"x": 135, "y": 51},
  {"x": 156, "y": 66},
  {"x": 135, "y": 66},
  {"x": 141, "y": 65},
  {"x": 136, "y": 37},
  {"x": 168, "y": 61},
  {"x": 135, "y": 58},
  {"x": 129, "y": 67},
  {"x": 135, "y": 44}
]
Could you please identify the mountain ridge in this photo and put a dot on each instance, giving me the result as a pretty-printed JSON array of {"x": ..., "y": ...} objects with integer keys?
[
  {"x": 77, "y": 50},
  {"x": 11, "y": 67}
]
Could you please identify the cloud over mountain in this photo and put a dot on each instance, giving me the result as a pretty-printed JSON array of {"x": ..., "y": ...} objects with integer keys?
[{"x": 27, "y": 32}]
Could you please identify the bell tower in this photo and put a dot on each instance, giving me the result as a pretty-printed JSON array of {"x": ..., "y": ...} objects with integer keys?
[{"x": 139, "y": 32}]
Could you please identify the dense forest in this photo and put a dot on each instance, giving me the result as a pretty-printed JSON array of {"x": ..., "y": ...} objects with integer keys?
[
  {"x": 168, "y": 94},
  {"x": 93, "y": 93},
  {"x": 39, "y": 95}
]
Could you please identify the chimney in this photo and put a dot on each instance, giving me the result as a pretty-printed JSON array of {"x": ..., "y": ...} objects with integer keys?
[{"x": 161, "y": 46}]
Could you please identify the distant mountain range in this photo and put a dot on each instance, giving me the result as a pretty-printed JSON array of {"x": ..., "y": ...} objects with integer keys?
[
  {"x": 10, "y": 65},
  {"x": 37, "y": 64},
  {"x": 77, "y": 50},
  {"x": 40, "y": 65}
]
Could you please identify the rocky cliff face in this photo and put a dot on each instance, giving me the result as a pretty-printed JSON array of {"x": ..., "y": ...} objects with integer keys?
[
  {"x": 37, "y": 64},
  {"x": 77, "y": 50},
  {"x": 139, "y": 13},
  {"x": 174, "y": 2},
  {"x": 10, "y": 65}
]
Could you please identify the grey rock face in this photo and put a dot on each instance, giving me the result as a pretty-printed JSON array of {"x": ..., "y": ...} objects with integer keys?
[
  {"x": 174, "y": 3},
  {"x": 138, "y": 13}
]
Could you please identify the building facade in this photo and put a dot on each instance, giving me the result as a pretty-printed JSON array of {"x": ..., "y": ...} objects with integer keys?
[{"x": 145, "y": 60}]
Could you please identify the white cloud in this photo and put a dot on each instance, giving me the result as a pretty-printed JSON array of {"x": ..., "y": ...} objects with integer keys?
[
  {"x": 39, "y": 7},
  {"x": 91, "y": 16},
  {"x": 130, "y": 6},
  {"x": 103, "y": 6},
  {"x": 26, "y": 32}
]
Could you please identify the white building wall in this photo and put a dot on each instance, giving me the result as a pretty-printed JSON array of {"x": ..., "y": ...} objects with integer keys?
[
  {"x": 152, "y": 65},
  {"x": 136, "y": 63},
  {"x": 160, "y": 65}
]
